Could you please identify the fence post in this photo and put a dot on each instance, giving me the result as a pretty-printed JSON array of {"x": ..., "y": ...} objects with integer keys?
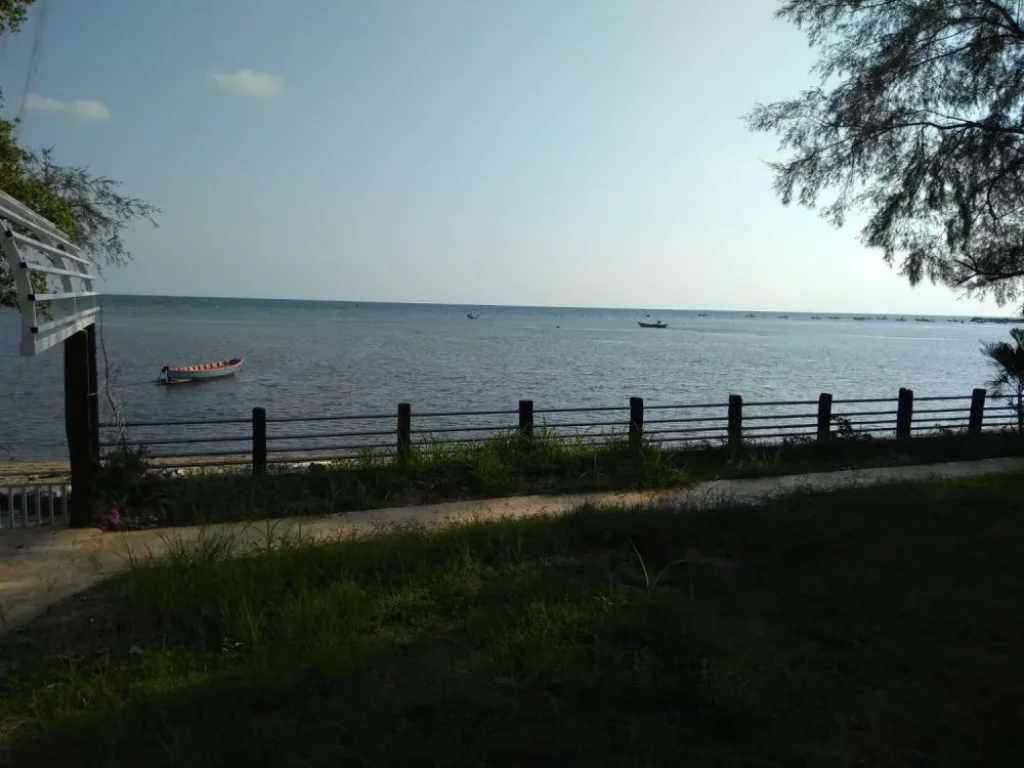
[
  {"x": 977, "y": 412},
  {"x": 636, "y": 422},
  {"x": 259, "y": 441},
  {"x": 904, "y": 413},
  {"x": 735, "y": 421},
  {"x": 94, "y": 396},
  {"x": 78, "y": 428},
  {"x": 824, "y": 417},
  {"x": 526, "y": 419},
  {"x": 404, "y": 428}
]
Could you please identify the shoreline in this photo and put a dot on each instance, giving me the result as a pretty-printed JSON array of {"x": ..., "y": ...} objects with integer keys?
[{"x": 57, "y": 470}]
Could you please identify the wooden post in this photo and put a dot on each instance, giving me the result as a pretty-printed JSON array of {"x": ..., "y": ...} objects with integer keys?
[
  {"x": 636, "y": 422},
  {"x": 259, "y": 441},
  {"x": 977, "y": 417},
  {"x": 404, "y": 428},
  {"x": 94, "y": 397},
  {"x": 824, "y": 417},
  {"x": 526, "y": 419},
  {"x": 904, "y": 413},
  {"x": 78, "y": 428},
  {"x": 735, "y": 421}
]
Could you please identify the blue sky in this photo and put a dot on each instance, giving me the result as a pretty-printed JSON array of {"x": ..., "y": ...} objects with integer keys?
[{"x": 578, "y": 152}]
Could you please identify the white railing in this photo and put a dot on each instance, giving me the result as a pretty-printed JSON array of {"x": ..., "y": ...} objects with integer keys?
[
  {"x": 31, "y": 504},
  {"x": 32, "y": 245}
]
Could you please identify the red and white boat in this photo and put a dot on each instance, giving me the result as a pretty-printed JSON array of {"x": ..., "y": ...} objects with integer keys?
[{"x": 200, "y": 372}]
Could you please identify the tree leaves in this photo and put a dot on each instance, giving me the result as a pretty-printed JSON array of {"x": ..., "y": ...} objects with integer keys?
[
  {"x": 918, "y": 121},
  {"x": 89, "y": 209}
]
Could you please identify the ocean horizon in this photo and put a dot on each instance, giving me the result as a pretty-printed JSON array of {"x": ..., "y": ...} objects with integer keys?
[{"x": 153, "y": 299}]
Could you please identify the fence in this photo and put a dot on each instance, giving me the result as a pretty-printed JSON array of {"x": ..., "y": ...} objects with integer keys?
[{"x": 263, "y": 439}]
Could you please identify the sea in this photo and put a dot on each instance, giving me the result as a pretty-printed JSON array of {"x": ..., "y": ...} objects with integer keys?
[{"x": 308, "y": 358}]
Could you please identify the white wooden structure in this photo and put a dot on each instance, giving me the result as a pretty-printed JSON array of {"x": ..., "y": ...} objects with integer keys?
[{"x": 32, "y": 245}]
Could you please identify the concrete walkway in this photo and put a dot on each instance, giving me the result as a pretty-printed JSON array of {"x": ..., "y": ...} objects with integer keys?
[{"x": 42, "y": 566}]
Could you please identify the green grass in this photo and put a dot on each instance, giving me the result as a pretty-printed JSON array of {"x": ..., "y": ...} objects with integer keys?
[
  {"x": 870, "y": 627},
  {"x": 506, "y": 465}
]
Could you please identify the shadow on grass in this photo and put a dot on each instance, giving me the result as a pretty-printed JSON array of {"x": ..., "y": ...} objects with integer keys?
[{"x": 876, "y": 626}]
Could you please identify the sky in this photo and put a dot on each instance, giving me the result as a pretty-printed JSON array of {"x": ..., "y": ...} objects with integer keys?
[{"x": 526, "y": 152}]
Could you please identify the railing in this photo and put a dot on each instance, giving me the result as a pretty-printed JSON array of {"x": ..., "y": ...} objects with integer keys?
[
  {"x": 264, "y": 439},
  {"x": 33, "y": 503}
]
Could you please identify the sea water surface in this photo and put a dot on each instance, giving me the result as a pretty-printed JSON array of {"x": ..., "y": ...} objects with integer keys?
[{"x": 322, "y": 358}]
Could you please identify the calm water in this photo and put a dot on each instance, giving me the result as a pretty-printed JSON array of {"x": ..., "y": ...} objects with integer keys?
[{"x": 306, "y": 358}]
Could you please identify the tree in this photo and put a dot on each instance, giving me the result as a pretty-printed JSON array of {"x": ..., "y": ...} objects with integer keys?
[
  {"x": 90, "y": 209},
  {"x": 12, "y": 15},
  {"x": 917, "y": 121},
  {"x": 1007, "y": 361}
]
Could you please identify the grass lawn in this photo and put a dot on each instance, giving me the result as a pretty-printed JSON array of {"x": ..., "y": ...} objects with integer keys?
[
  {"x": 870, "y": 627},
  {"x": 505, "y": 466}
]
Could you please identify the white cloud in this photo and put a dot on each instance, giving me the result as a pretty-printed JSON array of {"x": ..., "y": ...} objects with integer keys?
[
  {"x": 249, "y": 83},
  {"x": 88, "y": 110}
]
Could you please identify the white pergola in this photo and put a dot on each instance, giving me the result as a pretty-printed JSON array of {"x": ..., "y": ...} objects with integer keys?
[
  {"x": 32, "y": 245},
  {"x": 64, "y": 311}
]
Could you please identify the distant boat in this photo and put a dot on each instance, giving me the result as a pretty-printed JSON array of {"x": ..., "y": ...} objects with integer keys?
[
  {"x": 901, "y": 319},
  {"x": 701, "y": 314},
  {"x": 656, "y": 324},
  {"x": 925, "y": 320},
  {"x": 200, "y": 372},
  {"x": 751, "y": 316},
  {"x": 473, "y": 315},
  {"x": 815, "y": 317},
  {"x": 783, "y": 317}
]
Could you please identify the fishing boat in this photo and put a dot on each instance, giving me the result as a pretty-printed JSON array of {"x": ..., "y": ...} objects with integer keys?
[
  {"x": 655, "y": 324},
  {"x": 200, "y": 372},
  {"x": 473, "y": 315}
]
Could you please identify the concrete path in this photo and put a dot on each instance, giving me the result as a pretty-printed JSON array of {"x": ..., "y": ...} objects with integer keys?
[{"x": 41, "y": 566}]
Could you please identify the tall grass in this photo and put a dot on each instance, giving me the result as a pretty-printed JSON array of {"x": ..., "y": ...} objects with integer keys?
[
  {"x": 873, "y": 626},
  {"x": 507, "y": 464}
]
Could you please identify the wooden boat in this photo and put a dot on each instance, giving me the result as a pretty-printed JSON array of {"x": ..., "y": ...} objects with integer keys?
[
  {"x": 657, "y": 324},
  {"x": 200, "y": 372}
]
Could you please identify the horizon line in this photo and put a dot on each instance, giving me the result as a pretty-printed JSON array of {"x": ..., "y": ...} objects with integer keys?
[{"x": 538, "y": 306}]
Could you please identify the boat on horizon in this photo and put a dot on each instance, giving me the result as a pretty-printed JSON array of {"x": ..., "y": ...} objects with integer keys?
[
  {"x": 655, "y": 324},
  {"x": 200, "y": 372},
  {"x": 473, "y": 315}
]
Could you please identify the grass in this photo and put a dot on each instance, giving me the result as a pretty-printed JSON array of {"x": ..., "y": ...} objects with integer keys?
[
  {"x": 505, "y": 466},
  {"x": 877, "y": 626}
]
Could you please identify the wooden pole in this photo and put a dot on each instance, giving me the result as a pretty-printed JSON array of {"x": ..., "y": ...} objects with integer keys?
[
  {"x": 904, "y": 413},
  {"x": 94, "y": 397},
  {"x": 404, "y": 429},
  {"x": 636, "y": 422},
  {"x": 824, "y": 417},
  {"x": 259, "y": 441},
  {"x": 526, "y": 419},
  {"x": 735, "y": 421},
  {"x": 977, "y": 417},
  {"x": 78, "y": 428}
]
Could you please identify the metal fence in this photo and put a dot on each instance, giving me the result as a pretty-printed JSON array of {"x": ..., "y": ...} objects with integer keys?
[{"x": 263, "y": 439}]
